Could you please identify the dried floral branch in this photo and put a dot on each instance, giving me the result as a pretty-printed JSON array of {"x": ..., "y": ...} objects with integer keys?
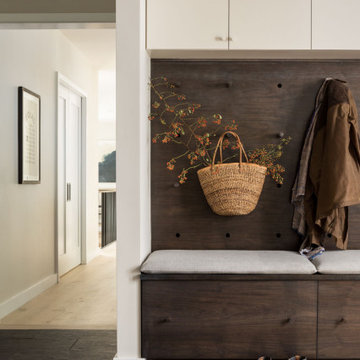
[
  {"x": 268, "y": 155},
  {"x": 183, "y": 125}
]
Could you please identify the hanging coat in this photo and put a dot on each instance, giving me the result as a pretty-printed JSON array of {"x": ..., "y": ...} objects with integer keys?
[{"x": 333, "y": 167}]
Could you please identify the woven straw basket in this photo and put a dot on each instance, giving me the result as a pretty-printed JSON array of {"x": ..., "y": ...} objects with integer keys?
[{"x": 232, "y": 188}]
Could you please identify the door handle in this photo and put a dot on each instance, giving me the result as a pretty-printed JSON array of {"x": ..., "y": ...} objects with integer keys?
[{"x": 68, "y": 191}]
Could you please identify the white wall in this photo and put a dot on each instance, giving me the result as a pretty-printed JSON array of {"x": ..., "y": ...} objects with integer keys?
[
  {"x": 133, "y": 173},
  {"x": 31, "y": 58},
  {"x": 106, "y": 135}
]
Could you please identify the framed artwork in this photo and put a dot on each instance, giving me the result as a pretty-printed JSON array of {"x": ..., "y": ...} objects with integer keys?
[{"x": 29, "y": 136}]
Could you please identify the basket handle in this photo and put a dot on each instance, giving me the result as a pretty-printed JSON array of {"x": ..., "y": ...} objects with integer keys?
[{"x": 220, "y": 143}]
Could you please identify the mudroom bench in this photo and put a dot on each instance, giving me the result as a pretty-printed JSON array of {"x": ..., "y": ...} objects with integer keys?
[
  {"x": 240, "y": 304},
  {"x": 215, "y": 302}
]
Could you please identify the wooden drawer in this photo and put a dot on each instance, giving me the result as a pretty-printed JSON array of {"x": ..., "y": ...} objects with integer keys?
[
  {"x": 339, "y": 320},
  {"x": 228, "y": 319}
]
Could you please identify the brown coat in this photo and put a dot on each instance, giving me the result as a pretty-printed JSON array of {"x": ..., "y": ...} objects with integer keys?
[{"x": 333, "y": 181}]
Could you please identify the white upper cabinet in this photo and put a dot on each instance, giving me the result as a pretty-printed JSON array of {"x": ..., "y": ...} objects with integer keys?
[
  {"x": 187, "y": 24},
  {"x": 270, "y": 24},
  {"x": 336, "y": 25}
]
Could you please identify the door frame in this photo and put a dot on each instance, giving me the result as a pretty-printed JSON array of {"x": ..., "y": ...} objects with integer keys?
[{"x": 64, "y": 81}]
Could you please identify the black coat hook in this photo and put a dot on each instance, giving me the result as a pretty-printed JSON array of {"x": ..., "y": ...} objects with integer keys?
[{"x": 221, "y": 84}]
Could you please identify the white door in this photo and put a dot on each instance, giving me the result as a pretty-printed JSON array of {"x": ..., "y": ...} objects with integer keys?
[
  {"x": 270, "y": 24},
  {"x": 69, "y": 232},
  {"x": 187, "y": 24}
]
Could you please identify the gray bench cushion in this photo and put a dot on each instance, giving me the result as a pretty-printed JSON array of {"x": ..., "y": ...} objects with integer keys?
[
  {"x": 226, "y": 262},
  {"x": 338, "y": 262}
]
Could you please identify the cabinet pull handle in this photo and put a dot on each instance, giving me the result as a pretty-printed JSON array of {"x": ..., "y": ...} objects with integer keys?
[
  {"x": 219, "y": 38},
  {"x": 164, "y": 320},
  {"x": 341, "y": 321},
  {"x": 68, "y": 192},
  {"x": 286, "y": 321},
  {"x": 229, "y": 38}
]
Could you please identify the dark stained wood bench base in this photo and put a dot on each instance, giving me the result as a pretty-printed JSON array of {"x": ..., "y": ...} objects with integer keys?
[{"x": 199, "y": 316}]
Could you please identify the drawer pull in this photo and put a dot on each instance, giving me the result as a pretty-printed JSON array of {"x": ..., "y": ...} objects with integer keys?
[
  {"x": 341, "y": 321},
  {"x": 164, "y": 320},
  {"x": 286, "y": 321}
]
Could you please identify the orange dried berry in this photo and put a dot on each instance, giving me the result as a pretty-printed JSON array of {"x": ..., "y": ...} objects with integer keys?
[
  {"x": 202, "y": 122},
  {"x": 170, "y": 166},
  {"x": 225, "y": 144}
]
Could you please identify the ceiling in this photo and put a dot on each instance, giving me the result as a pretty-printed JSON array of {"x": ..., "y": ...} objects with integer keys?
[
  {"x": 60, "y": 6},
  {"x": 98, "y": 45}
]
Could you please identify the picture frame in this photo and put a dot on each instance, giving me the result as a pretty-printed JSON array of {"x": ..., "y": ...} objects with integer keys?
[{"x": 29, "y": 124}]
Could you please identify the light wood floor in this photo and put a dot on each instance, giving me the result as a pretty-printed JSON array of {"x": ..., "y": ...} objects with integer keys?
[{"x": 85, "y": 298}]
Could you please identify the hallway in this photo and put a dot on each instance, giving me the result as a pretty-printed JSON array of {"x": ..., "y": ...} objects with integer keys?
[{"x": 84, "y": 299}]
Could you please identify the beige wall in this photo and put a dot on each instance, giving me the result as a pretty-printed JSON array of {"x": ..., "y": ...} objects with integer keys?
[{"x": 31, "y": 58}]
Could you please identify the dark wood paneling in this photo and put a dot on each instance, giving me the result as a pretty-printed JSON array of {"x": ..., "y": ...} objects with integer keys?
[
  {"x": 227, "y": 319},
  {"x": 263, "y": 110},
  {"x": 339, "y": 320}
]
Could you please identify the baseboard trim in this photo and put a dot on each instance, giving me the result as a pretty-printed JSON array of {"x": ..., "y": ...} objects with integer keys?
[
  {"x": 26, "y": 295},
  {"x": 92, "y": 256},
  {"x": 126, "y": 358}
]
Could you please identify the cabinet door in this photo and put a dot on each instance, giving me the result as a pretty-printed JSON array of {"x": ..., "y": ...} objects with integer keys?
[
  {"x": 336, "y": 25},
  {"x": 187, "y": 24},
  {"x": 228, "y": 319},
  {"x": 339, "y": 320},
  {"x": 270, "y": 24}
]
